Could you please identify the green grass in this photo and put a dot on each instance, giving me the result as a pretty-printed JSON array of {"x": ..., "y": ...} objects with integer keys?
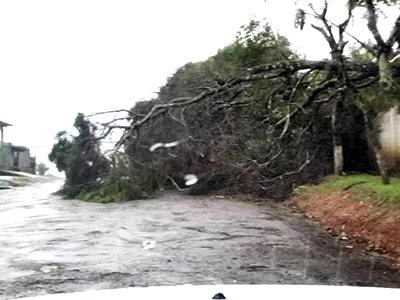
[
  {"x": 20, "y": 181},
  {"x": 361, "y": 186}
]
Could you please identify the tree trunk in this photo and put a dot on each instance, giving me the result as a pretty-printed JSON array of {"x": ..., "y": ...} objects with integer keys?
[
  {"x": 385, "y": 72},
  {"x": 375, "y": 145},
  {"x": 337, "y": 140}
]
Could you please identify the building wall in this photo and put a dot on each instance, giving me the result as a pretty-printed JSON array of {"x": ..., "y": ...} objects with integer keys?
[
  {"x": 16, "y": 159},
  {"x": 390, "y": 137},
  {"x": 22, "y": 160},
  {"x": 6, "y": 156}
]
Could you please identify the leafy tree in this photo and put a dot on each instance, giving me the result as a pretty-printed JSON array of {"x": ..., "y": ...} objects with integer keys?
[
  {"x": 60, "y": 152},
  {"x": 80, "y": 158},
  {"x": 255, "y": 117},
  {"x": 227, "y": 140},
  {"x": 42, "y": 169},
  {"x": 289, "y": 93}
]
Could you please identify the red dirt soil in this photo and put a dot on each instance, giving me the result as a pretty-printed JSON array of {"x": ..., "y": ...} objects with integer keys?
[{"x": 365, "y": 223}]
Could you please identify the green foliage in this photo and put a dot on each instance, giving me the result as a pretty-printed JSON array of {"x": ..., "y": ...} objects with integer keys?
[
  {"x": 20, "y": 181},
  {"x": 255, "y": 44},
  {"x": 260, "y": 44},
  {"x": 374, "y": 100},
  {"x": 184, "y": 83},
  {"x": 236, "y": 147},
  {"x": 42, "y": 169},
  {"x": 360, "y": 54},
  {"x": 122, "y": 183},
  {"x": 80, "y": 158},
  {"x": 60, "y": 151}
]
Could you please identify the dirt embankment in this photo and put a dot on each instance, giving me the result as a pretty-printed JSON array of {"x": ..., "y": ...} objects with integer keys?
[{"x": 365, "y": 224}]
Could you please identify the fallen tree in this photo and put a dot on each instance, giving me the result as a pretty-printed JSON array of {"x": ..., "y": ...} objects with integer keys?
[{"x": 254, "y": 117}]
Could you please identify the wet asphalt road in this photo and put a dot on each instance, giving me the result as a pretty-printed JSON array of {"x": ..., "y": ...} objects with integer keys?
[{"x": 50, "y": 245}]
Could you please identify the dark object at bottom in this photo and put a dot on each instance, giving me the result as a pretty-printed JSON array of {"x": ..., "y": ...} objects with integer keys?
[{"x": 219, "y": 296}]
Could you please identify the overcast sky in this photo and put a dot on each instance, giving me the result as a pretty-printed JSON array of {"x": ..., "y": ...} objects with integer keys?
[{"x": 58, "y": 58}]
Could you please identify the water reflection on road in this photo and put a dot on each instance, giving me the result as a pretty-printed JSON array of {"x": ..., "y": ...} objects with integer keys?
[{"x": 50, "y": 245}]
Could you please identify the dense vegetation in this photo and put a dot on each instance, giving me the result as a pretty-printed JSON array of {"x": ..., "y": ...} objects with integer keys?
[
  {"x": 243, "y": 122},
  {"x": 229, "y": 140},
  {"x": 80, "y": 158}
]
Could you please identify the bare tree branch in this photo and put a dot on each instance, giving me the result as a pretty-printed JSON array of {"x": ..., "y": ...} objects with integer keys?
[
  {"x": 262, "y": 72},
  {"x": 395, "y": 34},
  {"x": 111, "y": 112},
  {"x": 372, "y": 24}
]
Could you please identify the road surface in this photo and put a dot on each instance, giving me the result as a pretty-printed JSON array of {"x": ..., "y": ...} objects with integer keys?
[{"x": 50, "y": 245}]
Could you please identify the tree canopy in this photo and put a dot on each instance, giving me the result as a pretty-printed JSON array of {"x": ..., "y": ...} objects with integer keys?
[
  {"x": 79, "y": 157},
  {"x": 253, "y": 118}
]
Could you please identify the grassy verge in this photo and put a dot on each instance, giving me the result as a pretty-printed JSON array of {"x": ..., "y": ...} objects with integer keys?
[
  {"x": 362, "y": 186},
  {"x": 20, "y": 181}
]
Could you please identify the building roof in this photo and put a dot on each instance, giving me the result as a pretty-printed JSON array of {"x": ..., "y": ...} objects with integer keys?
[
  {"x": 19, "y": 148},
  {"x": 4, "y": 124}
]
